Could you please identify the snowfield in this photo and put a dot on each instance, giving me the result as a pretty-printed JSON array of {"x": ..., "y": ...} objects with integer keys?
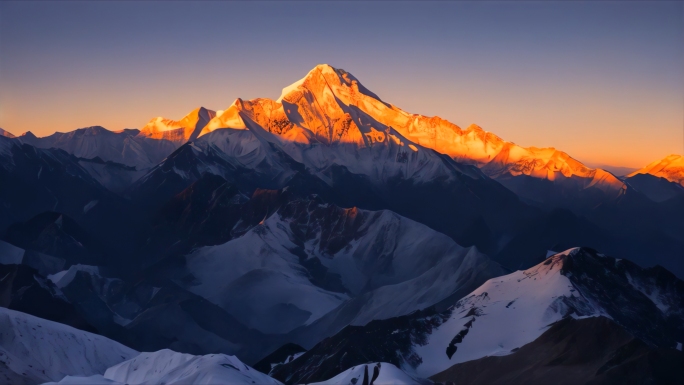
[
  {"x": 380, "y": 373},
  {"x": 172, "y": 368},
  {"x": 37, "y": 350}
]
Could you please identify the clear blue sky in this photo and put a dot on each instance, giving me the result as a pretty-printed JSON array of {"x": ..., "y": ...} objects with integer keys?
[{"x": 603, "y": 81}]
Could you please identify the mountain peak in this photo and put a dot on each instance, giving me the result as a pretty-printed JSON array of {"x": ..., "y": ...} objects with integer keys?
[
  {"x": 337, "y": 92},
  {"x": 323, "y": 104},
  {"x": 6, "y": 134},
  {"x": 332, "y": 77},
  {"x": 92, "y": 130},
  {"x": 28, "y": 135},
  {"x": 671, "y": 168}
]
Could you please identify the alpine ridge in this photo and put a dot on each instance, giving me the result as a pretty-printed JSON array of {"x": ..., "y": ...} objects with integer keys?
[
  {"x": 671, "y": 168},
  {"x": 181, "y": 131},
  {"x": 330, "y": 102}
]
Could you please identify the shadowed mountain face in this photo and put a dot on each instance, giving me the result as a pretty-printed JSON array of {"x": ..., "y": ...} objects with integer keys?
[
  {"x": 656, "y": 188},
  {"x": 272, "y": 262},
  {"x": 57, "y": 235},
  {"x": 282, "y": 249},
  {"x": 671, "y": 168},
  {"x": 575, "y": 351},
  {"x": 282, "y": 355},
  {"x": 20, "y": 290},
  {"x": 33, "y": 181},
  {"x": 124, "y": 147}
]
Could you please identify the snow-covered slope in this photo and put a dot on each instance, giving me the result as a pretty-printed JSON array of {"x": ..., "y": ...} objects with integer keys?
[
  {"x": 309, "y": 258},
  {"x": 169, "y": 367},
  {"x": 329, "y": 118},
  {"x": 592, "y": 350},
  {"x": 36, "y": 180},
  {"x": 671, "y": 168},
  {"x": 510, "y": 311},
  {"x": 114, "y": 176},
  {"x": 172, "y": 368},
  {"x": 34, "y": 350},
  {"x": 380, "y": 373},
  {"x": 503, "y": 314},
  {"x": 178, "y": 131}
]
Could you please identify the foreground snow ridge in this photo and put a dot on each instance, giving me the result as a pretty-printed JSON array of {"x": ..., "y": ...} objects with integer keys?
[
  {"x": 35, "y": 350},
  {"x": 172, "y": 368},
  {"x": 377, "y": 373}
]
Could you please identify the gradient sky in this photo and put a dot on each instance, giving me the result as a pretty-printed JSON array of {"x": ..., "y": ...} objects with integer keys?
[{"x": 603, "y": 81}]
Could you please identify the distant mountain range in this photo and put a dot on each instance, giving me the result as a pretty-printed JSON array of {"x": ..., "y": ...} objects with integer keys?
[{"x": 329, "y": 236}]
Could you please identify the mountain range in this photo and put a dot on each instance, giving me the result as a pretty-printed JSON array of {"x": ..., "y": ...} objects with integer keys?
[{"x": 330, "y": 237}]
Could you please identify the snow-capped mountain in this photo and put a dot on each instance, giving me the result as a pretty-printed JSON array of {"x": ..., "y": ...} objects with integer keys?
[
  {"x": 178, "y": 131},
  {"x": 123, "y": 147},
  {"x": 330, "y": 105},
  {"x": 346, "y": 237},
  {"x": 671, "y": 168},
  {"x": 34, "y": 350},
  {"x": 172, "y": 368},
  {"x": 509, "y": 312},
  {"x": 347, "y": 138}
]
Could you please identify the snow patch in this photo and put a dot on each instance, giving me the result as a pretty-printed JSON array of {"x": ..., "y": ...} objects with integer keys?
[
  {"x": 172, "y": 368},
  {"x": 10, "y": 254},
  {"x": 89, "y": 206},
  {"x": 63, "y": 278}
]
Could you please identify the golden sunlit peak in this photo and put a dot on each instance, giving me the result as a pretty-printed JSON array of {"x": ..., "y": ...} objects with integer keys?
[
  {"x": 671, "y": 168},
  {"x": 474, "y": 126},
  {"x": 180, "y": 131}
]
